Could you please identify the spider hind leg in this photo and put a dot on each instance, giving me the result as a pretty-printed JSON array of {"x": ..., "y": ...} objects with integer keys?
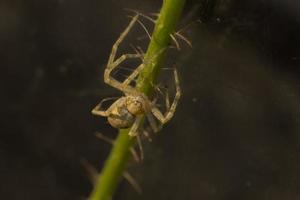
[{"x": 170, "y": 112}]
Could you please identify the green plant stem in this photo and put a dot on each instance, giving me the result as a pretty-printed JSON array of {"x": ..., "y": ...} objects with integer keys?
[{"x": 116, "y": 163}]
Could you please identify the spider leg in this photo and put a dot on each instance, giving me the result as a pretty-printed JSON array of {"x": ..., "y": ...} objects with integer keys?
[
  {"x": 124, "y": 86},
  {"x": 139, "y": 51},
  {"x": 139, "y": 142},
  {"x": 121, "y": 59},
  {"x": 134, "y": 74},
  {"x": 169, "y": 114},
  {"x": 108, "y": 79},
  {"x": 112, "y": 64},
  {"x": 147, "y": 135},
  {"x": 97, "y": 110},
  {"x": 120, "y": 39},
  {"x": 135, "y": 155},
  {"x": 167, "y": 100},
  {"x": 153, "y": 123},
  {"x": 134, "y": 128}
]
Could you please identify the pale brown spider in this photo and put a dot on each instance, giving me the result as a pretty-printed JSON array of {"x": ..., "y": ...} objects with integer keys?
[{"x": 128, "y": 110}]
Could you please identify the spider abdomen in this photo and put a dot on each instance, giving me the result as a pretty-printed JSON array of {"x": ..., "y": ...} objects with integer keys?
[{"x": 120, "y": 117}]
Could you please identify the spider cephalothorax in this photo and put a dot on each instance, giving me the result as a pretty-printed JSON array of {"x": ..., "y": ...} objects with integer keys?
[
  {"x": 128, "y": 111},
  {"x": 137, "y": 105},
  {"x": 124, "y": 111}
]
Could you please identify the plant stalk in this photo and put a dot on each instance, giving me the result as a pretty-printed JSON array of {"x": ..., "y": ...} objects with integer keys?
[{"x": 116, "y": 162}]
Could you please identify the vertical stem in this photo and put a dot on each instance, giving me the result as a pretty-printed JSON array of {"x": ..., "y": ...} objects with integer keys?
[{"x": 116, "y": 163}]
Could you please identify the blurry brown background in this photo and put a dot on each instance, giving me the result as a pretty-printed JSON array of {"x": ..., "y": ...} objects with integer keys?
[{"x": 236, "y": 132}]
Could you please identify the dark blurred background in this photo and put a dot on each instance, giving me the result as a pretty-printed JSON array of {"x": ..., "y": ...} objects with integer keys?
[{"x": 235, "y": 134}]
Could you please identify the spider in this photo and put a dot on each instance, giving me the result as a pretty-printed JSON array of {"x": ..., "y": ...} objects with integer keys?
[{"x": 129, "y": 110}]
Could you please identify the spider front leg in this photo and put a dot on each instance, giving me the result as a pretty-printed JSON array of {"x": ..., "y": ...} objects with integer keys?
[
  {"x": 134, "y": 128},
  {"x": 112, "y": 63},
  {"x": 152, "y": 123},
  {"x": 97, "y": 110},
  {"x": 170, "y": 112},
  {"x": 119, "y": 40}
]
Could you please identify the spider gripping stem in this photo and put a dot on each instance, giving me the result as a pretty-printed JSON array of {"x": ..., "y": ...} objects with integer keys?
[
  {"x": 112, "y": 63},
  {"x": 127, "y": 89},
  {"x": 98, "y": 111},
  {"x": 170, "y": 112}
]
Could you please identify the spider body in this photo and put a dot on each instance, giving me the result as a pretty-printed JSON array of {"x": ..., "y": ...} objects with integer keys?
[
  {"x": 120, "y": 117},
  {"x": 125, "y": 110},
  {"x": 128, "y": 110}
]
